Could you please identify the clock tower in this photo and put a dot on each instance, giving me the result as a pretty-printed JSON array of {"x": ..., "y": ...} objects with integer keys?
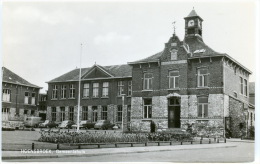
[{"x": 193, "y": 24}]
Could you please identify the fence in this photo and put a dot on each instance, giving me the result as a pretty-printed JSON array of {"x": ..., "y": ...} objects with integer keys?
[{"x": 65, "y": 146}]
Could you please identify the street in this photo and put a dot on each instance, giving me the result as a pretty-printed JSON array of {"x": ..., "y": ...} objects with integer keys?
[{"x": 244, "y": 152}]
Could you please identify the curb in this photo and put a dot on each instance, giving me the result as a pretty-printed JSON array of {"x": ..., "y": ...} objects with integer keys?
[{"x": 101, "y": 154}]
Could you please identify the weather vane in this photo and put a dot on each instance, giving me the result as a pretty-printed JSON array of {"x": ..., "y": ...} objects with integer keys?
[{"x": 174, "y": 26}]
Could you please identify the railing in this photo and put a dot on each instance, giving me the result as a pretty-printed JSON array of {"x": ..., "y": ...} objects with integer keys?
[{"x": 122, "y": 144}]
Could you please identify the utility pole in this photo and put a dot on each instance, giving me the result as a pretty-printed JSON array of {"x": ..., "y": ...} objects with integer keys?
[
  {"x": 123, "y": 104},
  {"x": 79, "y": 87}
]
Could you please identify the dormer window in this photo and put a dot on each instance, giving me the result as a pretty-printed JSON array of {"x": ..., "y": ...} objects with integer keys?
[
  {"x": 173, "y": 44},
  {"x": 173, "y": 54}
]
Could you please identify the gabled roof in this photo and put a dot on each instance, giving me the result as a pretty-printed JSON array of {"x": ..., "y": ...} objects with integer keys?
[
  {"x": 195, "y": 43},
  {"x": 154, "y": 58},
  {"x": 11, "y": 77},
  {"x": 116, "y": 71},
  {"x": 102, "y": 72},
  {"x": 198, "y": 48}
]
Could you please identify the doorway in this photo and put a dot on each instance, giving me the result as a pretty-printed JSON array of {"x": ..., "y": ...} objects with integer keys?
[{"x": 174, "y": 113}]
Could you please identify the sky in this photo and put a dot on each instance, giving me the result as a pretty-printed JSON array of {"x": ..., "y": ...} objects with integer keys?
[{"x": 41, "y": 40}]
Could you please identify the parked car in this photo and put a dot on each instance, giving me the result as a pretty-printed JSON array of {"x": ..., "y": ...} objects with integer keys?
[
  {"x": 103, "y": 124},
  {"x": 6, "y": 126},
  {"x": 32, "y": 121},
  {"x": 89, "y": 124},
  {"x": 81, "y": 124},
  {"x": 66, "y": 124},
  {"x": 48, "y": 124}
]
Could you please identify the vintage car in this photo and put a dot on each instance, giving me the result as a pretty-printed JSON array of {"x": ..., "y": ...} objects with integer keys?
[
  {"x": 82, "y": 123},
  {"x": 103, "y": 124},
  {"x": 66, "y": 124},
  {"x": 32, "y": 121},
  {"x": 6, "y": 126},
  {"x": 48, "y": 124}
]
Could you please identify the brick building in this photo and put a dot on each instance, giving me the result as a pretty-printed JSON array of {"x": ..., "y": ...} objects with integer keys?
[
  {"x": 251, "y": 109},
  {"x": 42, "y": 105},
  {"x": 101, "y": 94},
  {"x": 187, "y": 83},
  {"x": 19, "y": 97}
]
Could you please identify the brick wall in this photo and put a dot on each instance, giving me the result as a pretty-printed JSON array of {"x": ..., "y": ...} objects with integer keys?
[
  {"x": 16, "y": 103},
  {"x": 232, "y": 81}
]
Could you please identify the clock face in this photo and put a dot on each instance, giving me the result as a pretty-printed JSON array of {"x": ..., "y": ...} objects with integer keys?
[{"x": 191, "y": 23}]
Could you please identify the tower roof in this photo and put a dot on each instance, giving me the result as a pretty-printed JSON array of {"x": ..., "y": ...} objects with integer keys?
[{"x": 193, "y": 14}]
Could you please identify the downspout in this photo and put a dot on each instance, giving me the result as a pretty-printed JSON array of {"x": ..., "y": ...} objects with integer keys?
[{"x": 224, "y": 128}]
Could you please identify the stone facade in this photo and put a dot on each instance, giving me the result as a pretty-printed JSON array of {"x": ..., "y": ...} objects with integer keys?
[{"x": 238, "y": 117}]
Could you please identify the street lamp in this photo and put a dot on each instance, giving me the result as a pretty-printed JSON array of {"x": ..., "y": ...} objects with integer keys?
[{"x": 123, "y": 104}]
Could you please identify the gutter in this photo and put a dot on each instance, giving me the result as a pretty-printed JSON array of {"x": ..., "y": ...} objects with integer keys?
[{"x": 89, "y": 79}]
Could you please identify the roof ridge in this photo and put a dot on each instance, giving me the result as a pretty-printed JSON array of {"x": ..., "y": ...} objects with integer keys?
[
  {"x": 8, "y": 76},
  {"x": 150, "y": 58}
]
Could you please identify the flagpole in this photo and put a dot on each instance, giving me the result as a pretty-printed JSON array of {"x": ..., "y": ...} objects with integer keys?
[{"x": 79, "y": 88}]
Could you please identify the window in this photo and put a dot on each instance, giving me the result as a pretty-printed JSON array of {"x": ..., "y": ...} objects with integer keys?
[
  {"x": 86, "y": 90},
  {"x": 72, "y": 91},
  {"x": 105, "y": 89},
  {"x": 6, "y": 95},
  {"x": 241, "y": 85},
  {"x": 147, "y": 108},
  {"x": 33, "y": 99},
  {"x": 120, "y": 88},
  {"x": 6, "y": 110},
  {"x": 245, "y": 87},
  {"x": 71, "y": 113},
  {"x": 32, "y": 112},
  {"x": 85, "y": 113},
  {"x": 53, "y": 113},
  {"x": 174, "y": 79},
  {"x": 202, "y": 107},
  {"x": 203, "y": 77},
  {"x": 63, "y": 91},
  {"x": 119, "y": 113},
  {"x": 147, "y": 81},
  {"x": 25, "y": 112},
  {"x": 5, "y": 114},
  {"x": 54, "y": 92},
  {"x": 128, "y": 113},
  {"x": 173, "y": 54},
  {"x": 62, "y": 113},
  {"x": 173, "y": 44},
  {"x": 94, "y": 114},
  {"x": 43, "y": 98},
  {"x": 104, "y": 113},
  {"x": 95, "y": 89},
  {"x": 129, "y": 88},
  {"x": 26, "y": 97}
]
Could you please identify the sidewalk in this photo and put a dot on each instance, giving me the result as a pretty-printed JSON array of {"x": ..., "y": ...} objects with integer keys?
[
  {"x": 106, "y": 151},
  {"x": 239, "y": 140}
]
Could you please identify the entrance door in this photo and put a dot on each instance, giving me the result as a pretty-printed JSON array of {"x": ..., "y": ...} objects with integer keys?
[{"x": 174, "y": 113}]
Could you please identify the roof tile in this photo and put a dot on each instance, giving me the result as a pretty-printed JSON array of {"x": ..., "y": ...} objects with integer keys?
[
  {"x": 116, "y": 70},
  {"x": 11, "y": 77}
]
